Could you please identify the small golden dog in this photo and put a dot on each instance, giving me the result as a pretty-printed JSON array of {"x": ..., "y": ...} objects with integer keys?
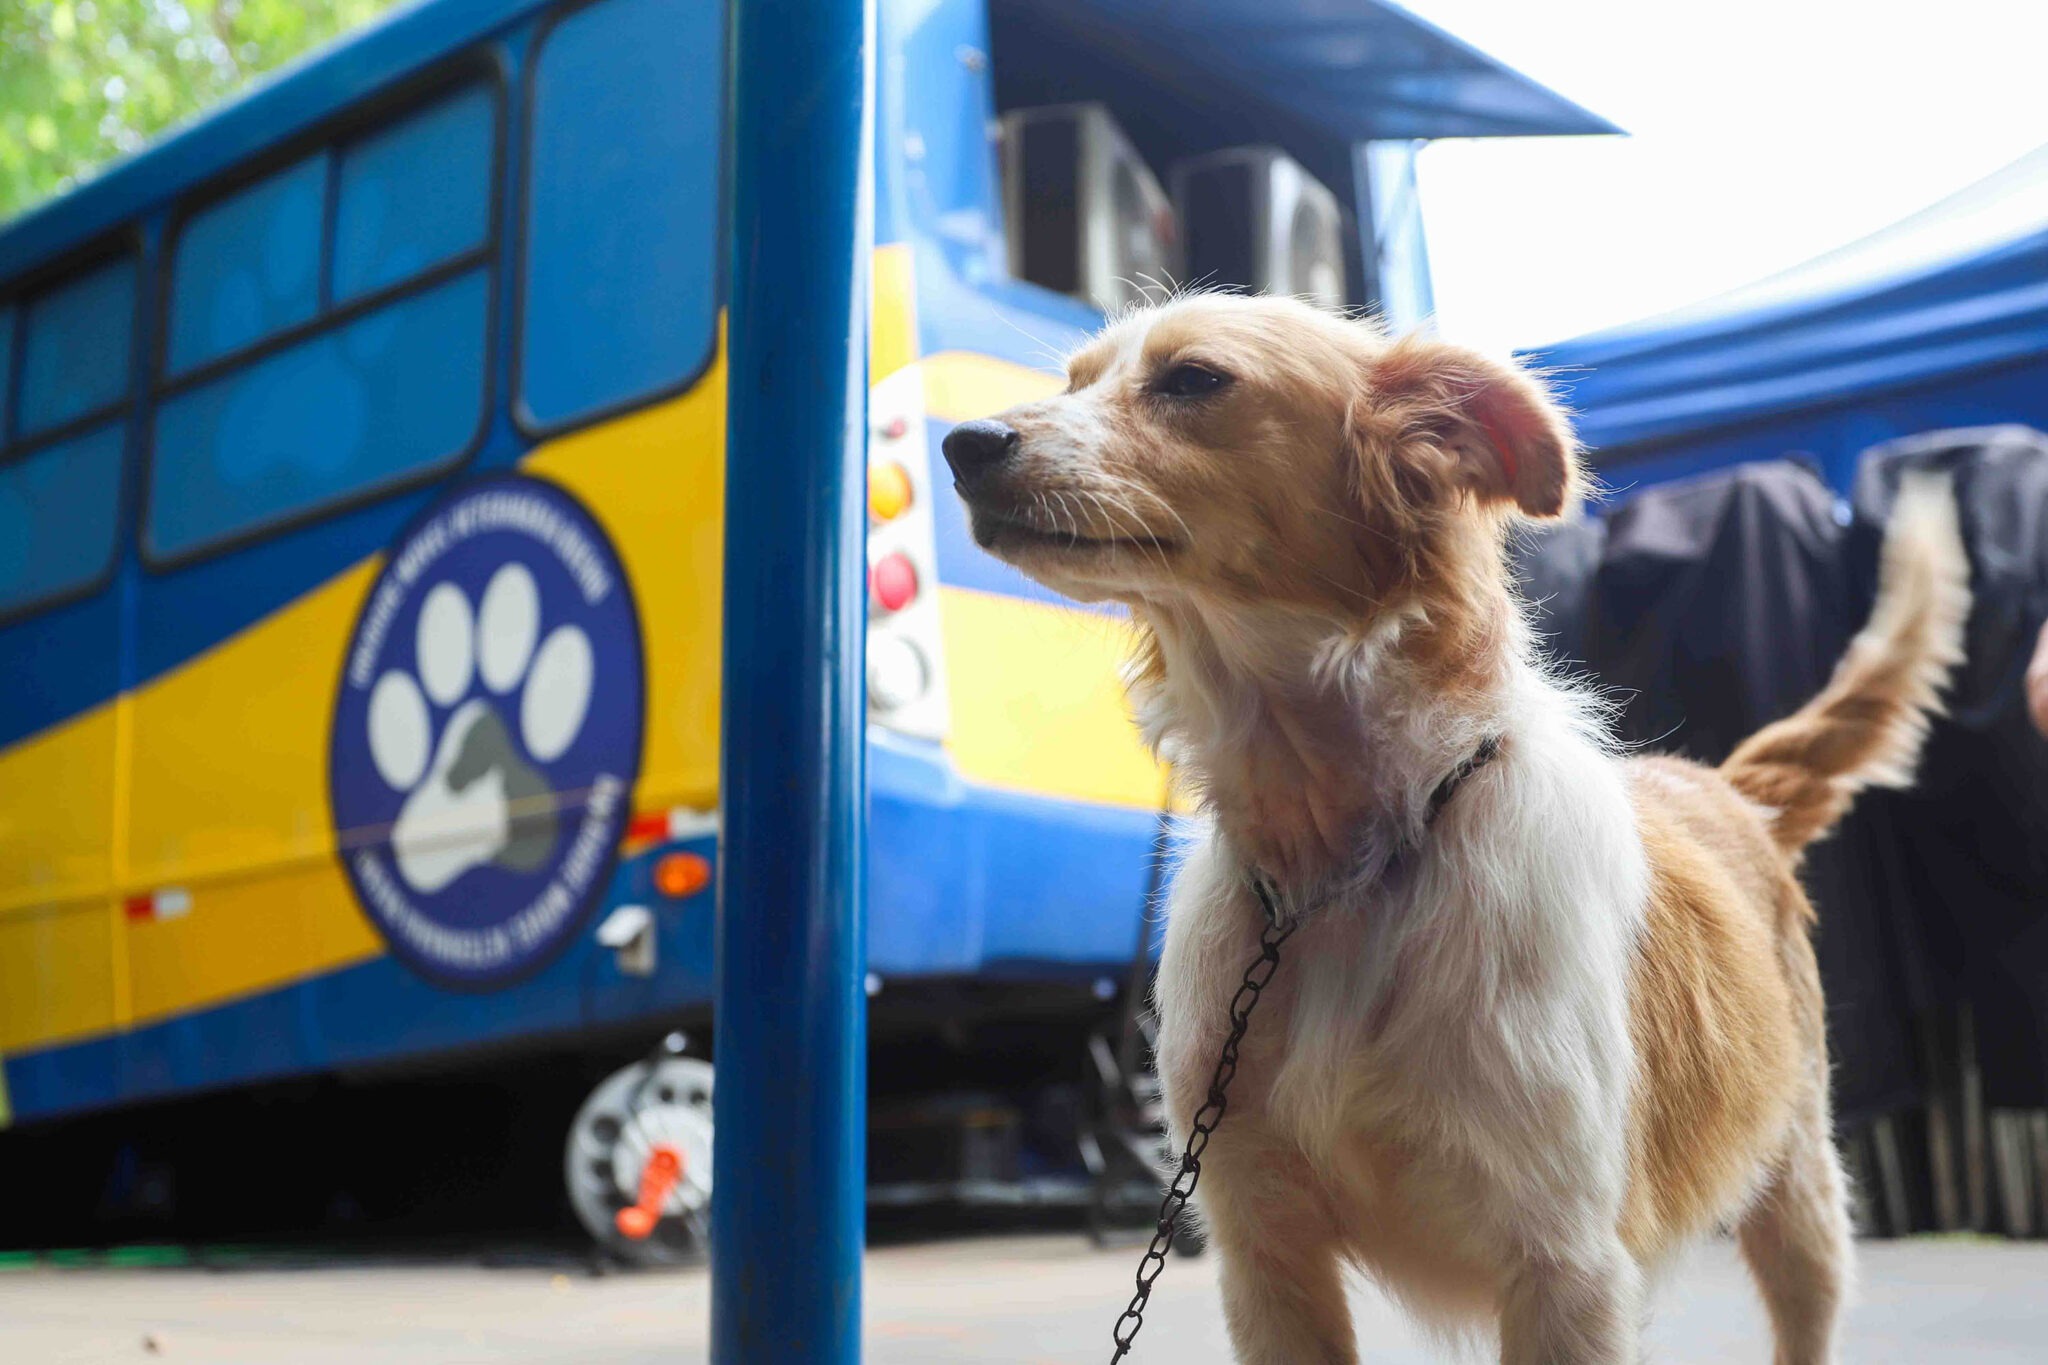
[{"x": 1550, "y": 1011}]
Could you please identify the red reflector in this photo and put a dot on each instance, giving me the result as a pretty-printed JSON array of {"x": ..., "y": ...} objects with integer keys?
[
  {"x": 169, "y": 902},
  {"x": 893, "y": 581},
  {"x": 647, "y": 828}
]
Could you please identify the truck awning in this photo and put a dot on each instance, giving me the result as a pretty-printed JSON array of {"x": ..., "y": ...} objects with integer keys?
[{"x": 1352, "y": 69}]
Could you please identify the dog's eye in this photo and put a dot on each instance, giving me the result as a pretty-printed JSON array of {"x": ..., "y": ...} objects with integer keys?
[{"x": 1190, "y": 381}]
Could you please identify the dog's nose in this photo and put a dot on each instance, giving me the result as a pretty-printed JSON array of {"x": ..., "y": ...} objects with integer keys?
[{"x": 974, "y": 448}]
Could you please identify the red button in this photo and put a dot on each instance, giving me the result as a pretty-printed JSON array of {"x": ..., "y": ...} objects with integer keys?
[{"x": 893, "y": 582}]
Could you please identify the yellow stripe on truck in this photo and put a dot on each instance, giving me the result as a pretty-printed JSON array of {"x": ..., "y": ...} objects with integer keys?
[
  {"x": 960, "y": 385},
  {"x": 228, "y": 799},
  {"x": 56, "y": 973},
  {"x": 1038, "y": 705},
  {"x": 57, "y": 916},
  {"x": 56, "y": 812},
  {"x": 892, "y": 326}
]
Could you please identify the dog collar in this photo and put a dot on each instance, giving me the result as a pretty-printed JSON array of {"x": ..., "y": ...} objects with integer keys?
[
  {"x": 1488, "y": 750},
  {"x": 1268, "y": 890}
]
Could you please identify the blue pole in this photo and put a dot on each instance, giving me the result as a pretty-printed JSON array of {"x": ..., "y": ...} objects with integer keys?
[{"x": 788, "y": 1186}]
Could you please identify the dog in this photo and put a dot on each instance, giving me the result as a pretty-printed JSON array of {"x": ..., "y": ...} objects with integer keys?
[{"x": 1549, "y": 1010}]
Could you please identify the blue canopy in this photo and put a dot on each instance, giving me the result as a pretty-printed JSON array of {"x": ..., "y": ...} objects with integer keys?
[{"x": 1931, "y": 322}]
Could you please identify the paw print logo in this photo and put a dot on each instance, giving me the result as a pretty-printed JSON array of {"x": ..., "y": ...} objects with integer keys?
[
  {"x": 507, "y": 701},
  {"x": 487, "y": 733}
]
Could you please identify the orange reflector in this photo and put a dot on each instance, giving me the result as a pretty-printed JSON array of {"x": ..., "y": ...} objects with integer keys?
[
  {"x": 681, "y": 875},
  {"x": 889, "y": 491}
]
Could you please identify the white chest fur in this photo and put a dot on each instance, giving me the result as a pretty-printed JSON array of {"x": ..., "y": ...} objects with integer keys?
[{"x": 1470, "y": 1016}]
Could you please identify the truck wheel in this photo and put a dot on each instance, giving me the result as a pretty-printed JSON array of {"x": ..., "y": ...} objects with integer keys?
[{"x": 638, "y": 1162}]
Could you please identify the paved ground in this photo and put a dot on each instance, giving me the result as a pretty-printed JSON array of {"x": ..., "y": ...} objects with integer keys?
[{"x": 1004, "y": 1301}]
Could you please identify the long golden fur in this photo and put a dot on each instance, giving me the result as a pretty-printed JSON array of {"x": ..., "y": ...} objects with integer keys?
[{"x": 1518, "y": 1052}]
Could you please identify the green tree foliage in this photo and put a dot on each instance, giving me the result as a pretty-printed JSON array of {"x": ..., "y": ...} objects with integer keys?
[{"x": 85, "y": 81}]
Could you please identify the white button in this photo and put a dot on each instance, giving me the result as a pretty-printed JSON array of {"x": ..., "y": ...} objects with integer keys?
[{"x": 897, "y": 673}]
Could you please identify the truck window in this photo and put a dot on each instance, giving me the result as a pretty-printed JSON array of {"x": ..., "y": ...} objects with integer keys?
[
  {"x": 75, "y": 347},
  {"x": 65, "y": 355},
  {"x": 414, "y": 195},
  {"x": 381, "y": 385},
  {"x": 248, "y": 266},
  {"x": 619, "y": 287},
  {"x": 58, "y": 507}
]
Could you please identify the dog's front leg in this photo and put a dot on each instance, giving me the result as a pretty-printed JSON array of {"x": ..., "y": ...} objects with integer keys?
[
  {"x": 1283, "y": 1287},
  {"x": 1583, "y": 1311}
]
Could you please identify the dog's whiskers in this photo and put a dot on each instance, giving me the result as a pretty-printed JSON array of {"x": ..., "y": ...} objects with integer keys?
[
  {"x": 1150, "y": 496},
  {"x": 1143, "y": 537}
]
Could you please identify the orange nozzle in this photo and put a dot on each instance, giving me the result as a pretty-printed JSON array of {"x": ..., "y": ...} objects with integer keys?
[{"x": 663, "y": 1169}]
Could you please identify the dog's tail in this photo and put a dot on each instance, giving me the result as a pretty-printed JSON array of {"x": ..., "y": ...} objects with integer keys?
[{"x": 1865, "y": 728}]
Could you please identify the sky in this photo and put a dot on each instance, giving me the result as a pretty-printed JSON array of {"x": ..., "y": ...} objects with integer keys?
[{"x": 1761, "y": 133}]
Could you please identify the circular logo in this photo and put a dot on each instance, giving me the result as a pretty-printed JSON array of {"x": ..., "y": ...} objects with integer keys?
[{"x": 488, "y": 732}]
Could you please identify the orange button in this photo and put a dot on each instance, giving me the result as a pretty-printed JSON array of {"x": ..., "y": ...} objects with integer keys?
[{"x": 889, "y": 491}]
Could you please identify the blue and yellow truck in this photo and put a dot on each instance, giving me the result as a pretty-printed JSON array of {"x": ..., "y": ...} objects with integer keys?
[{"x": 361, "y": 485}]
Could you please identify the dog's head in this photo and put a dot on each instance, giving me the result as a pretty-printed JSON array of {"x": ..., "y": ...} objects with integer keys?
[{"x": 1257, "y": 450}]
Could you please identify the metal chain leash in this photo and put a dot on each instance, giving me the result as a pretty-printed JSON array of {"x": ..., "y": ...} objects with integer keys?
[
  {"x": 1256, "y": 977},
  {"x": 1279, "y": 928}
]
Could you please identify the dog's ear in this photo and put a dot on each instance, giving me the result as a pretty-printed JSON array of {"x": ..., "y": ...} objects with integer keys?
[{"x": 1505, "y": 437}]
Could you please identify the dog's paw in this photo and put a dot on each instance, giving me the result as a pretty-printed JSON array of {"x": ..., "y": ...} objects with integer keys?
[{"x": 502, "y": 701}]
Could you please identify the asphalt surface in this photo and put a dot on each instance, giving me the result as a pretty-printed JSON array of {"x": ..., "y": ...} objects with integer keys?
[{"x": 1030, "y": 1300}]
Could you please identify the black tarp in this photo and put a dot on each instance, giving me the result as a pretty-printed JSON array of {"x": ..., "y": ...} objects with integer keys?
[
  {"x": 1706, "y": 609},
  {"x": 1964, "y": 856}
]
